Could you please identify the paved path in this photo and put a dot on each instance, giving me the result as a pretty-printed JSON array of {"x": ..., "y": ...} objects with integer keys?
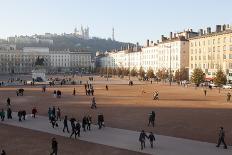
[{"x": 126, "y": 139}]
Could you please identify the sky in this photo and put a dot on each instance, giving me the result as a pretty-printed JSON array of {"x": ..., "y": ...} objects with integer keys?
[{"x": 133, "y": 20}]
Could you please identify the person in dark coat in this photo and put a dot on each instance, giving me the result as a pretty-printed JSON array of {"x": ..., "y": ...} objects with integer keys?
[
  {"x": 54, "y": 111},
  {"x": 2, "y": 114},
  {"x": 72, "y": 120},
  {"x": 20, "y": 115},
  {"x": 53, "y": 121},
  {"x": 107, "y": 87},
  {"x": 3, "y": 152},
  {"x": 84, "y": 123},
  {"x": 152, "y": 119},
  {"x": 65, "y": 124},
  {"x": 74, "y": 92},
  {"x": 89, "y": 121},
  {"x": 151, "y": 138},
  {"x": 100, "y": 121},
  {"x": 9, "y": 113},
  {"x": 77, "y": 129},
  {"x": 54, "y": 147},
  {"x": 34, "y": 111},
  {"x": 24, "y": 113},
  {"x": 8, "y": 102},
  {"x": 142, "y": 139},
  {"x": 221, "y": 138}
]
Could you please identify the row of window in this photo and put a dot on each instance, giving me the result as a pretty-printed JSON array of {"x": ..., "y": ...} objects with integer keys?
[{"x": 213, "y": 41}]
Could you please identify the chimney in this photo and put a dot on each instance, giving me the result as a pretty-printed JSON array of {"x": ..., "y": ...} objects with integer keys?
[
  {"x": 208, "y": 30},
  {"x": 170, "y": 35},
  {"x": 218, "y": 28},
  {"x": 148, "y": 42},
  {"x": 157, "y": 41},
  {"x": 224, "y": 27},
  {"x": 162, "y": 38},
  {"x": 200, "y": 32},
  {"x": 174, "y": 35}
]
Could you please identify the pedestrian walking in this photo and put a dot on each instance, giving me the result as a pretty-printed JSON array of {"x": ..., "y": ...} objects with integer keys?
[
  {"x": 54, "y": 93},
  {"x": 228, "y": 97},
  {"x": 205, "y": 92},
  {"x": 101, "y": 121},
  {"x": 151, "y": 119},
  {"x": 84, "y": 123},
  {"x": 34, "y": 111},
  {"x": 142, "y": 139},
  {"x": 3, "y": 152},
  {"x": 73, "y": 126},
  {"x": 221, "y": 138},
  {"x": 77, "y": 129},
  {"x": 107, "y": 87},
  {"x": 89, "y": 121},
  {"x": 2, "y": 115},
  {"x": 151, "y": 138},
  {"x": 49, "y": 113},
  {"x": 54, "y": 147},
  {"x": 93, "y": 104},
  {"x": 53, "y": 121},
  {"x": 54, "y": 111},
  {"x": 65, "y": 124},
  {"x": 9, "y": 113},
  {"x": 8, "y": 102},
  {"x": 74, "y": 92},
  {"x": 58, "y": 114}
]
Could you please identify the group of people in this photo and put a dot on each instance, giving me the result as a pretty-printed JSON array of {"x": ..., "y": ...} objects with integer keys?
[
  {"x": 89, "y": 89},
  {"x": 57, "y": 93},
  {"x": 142, "y": 139},
  {"x": 54, "y": 115}
]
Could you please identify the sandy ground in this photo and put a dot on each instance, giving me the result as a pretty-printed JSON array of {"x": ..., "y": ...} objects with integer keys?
[{"x": 181, "y": 112}]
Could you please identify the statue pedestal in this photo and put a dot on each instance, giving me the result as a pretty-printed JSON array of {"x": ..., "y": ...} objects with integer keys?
[{"x": 39, "y": 75}]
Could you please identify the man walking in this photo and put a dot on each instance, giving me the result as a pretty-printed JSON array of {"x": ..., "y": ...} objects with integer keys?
[
  {"x": 152, "y": 119},
  {"x": 77, "y": 129},
  {"x": 74, "y": 92},
  {"x": 65, "y": 124},
  {"x": 205, "y": 92},
  {"x": 228, "y": 97},
  {"x": 151, "y": 138},
  {"x": 2, "y": 114},
  {"x": 221, "y": 138},
  {"x": 142, "y": 139},
  {"x": 54, "y": 147}
]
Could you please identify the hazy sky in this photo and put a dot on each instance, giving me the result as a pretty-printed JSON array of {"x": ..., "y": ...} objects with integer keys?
[{"x": 133, "y": 20}]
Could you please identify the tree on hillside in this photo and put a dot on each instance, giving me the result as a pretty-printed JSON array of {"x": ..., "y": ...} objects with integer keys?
[
  {"x": 141, "y": 72},
  {"x": 220, "y": 78},
  {"x": 198, "y": 76},
  {"x": 150, "y": 73},
  {"x": 134, "y": 72}
]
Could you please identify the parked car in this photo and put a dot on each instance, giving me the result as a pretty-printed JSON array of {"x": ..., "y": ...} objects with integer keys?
[
  {"x": 213, "y": 85},
  {"x": 228, "y": 86}
]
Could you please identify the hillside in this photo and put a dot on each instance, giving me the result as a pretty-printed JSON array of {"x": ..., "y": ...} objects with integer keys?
[{"x": 72, "y": 42}]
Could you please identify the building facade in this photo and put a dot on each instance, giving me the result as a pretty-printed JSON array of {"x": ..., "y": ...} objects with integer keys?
[
  {"x": 169, "y": 52},
  {"x": 23, "y": 61},
  {"x": 211, "y": 51}
]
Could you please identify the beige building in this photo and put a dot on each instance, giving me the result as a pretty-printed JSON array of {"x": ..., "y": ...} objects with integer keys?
[
  {"x": 211, "y": 51},
  {"x": 22, "y": 61}
]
